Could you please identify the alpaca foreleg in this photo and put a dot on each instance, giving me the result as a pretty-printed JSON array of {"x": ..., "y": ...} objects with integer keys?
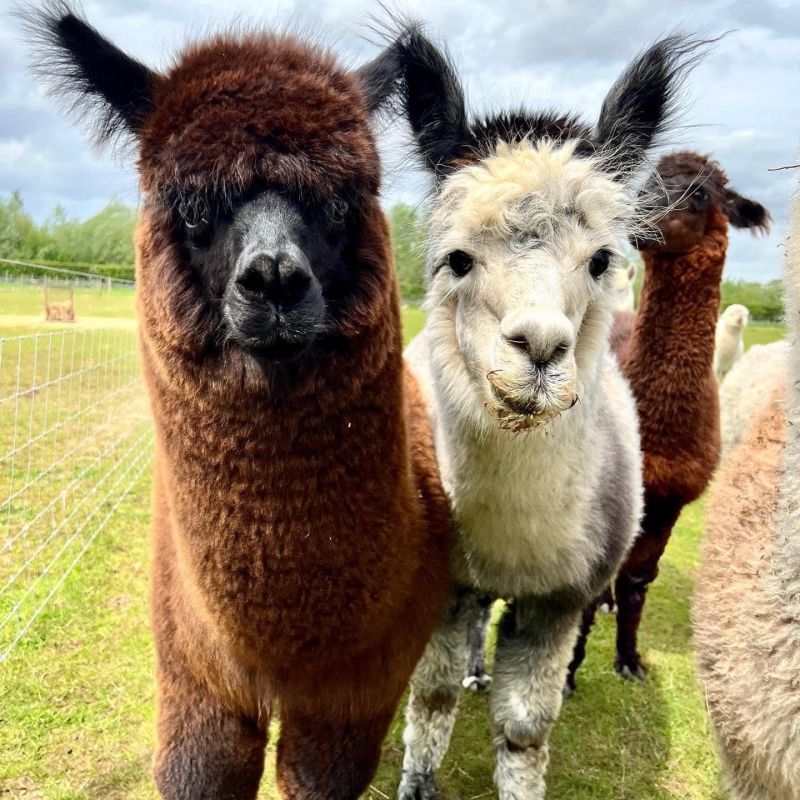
[
  {"x": 534, "y": 646},
  {"x": 320, "y": 758},
  {"x": 205, "y": 752},
  {"x": 432, "y": 702},
  {"x": 476, "y": 678}
]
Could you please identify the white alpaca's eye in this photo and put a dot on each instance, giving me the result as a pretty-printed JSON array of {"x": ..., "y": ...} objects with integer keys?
[
  {"x": 460, "y": 263},
  {"x": 599, "y": 262}
]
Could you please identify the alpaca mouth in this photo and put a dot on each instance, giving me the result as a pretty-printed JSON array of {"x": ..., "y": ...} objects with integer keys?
[
  {"x": 525, "y": 413},
  {"x": 530, "y": 407},
  {"x": 277, "y": 349}
]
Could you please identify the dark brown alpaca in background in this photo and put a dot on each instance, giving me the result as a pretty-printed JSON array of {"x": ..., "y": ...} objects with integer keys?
[
  {"x": 668, "y": 359},
  {"x": 301, "y": 532}
]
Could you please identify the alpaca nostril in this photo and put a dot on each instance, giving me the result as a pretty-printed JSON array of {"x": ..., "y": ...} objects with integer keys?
[
  {"x": 540, "y": 357},
  {"x": 518, "y": 343},
  {"x": 295, "y": 282},
  {"x": 560, "y": 351},
  {"x": 252, "y": 282}
]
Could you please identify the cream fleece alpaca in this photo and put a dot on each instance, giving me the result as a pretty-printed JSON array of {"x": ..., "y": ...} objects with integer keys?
[{"x": 747, "y": 604}]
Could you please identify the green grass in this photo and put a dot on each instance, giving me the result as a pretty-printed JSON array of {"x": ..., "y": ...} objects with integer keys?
[
  {"x": 27, "y": 301},
  {"x": 763, "y": 333},
  {"x": 76, "y": 696}
]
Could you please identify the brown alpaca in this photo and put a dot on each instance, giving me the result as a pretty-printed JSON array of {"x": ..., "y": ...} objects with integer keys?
[
  {"x": 746, "y": 610},
  {"x": 668, "y": 360},
  {"x": 301, "y": 531}
]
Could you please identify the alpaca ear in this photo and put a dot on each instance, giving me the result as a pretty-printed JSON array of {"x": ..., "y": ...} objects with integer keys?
[
  {"x": 380, "y": 81},
  {"x": 642, "y": 102},
  {"x": 431, "y": 97},
  {"x": 745, "y": 213},
  {"x": 111, "y": 89}
]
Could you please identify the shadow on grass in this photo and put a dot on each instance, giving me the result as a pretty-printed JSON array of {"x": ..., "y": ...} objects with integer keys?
[{"x": 613, "y": 739}]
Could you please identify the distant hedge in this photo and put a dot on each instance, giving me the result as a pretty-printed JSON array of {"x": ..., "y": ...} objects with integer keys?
[{"x": 765, "y": 300}]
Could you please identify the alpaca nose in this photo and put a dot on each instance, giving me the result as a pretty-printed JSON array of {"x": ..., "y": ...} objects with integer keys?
[
  {"x": 282, "y": 279},
  {"x": 543, "y": 334}
]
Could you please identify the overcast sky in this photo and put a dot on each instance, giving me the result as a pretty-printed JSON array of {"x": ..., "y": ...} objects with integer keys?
[{"x": 743, "y": 101}]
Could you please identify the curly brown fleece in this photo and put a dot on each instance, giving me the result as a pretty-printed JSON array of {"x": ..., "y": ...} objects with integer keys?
[{"x": 301, "y": 531}]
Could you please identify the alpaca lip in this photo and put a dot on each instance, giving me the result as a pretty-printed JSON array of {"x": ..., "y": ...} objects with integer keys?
[
  {"x": 268, "y": 334},
  {"x": 527, "y": 409},
  {"x": 276, "y": 349}
]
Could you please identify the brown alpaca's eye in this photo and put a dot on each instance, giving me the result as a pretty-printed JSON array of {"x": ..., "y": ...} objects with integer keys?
[
  {"x": 599, "y": 263},
  {"x": 460, "y": 263}
]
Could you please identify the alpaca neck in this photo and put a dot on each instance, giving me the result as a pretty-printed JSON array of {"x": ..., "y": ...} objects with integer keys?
[{"x": 671, "y": 352}]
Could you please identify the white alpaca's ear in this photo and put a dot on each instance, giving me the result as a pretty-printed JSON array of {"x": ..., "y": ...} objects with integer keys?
[
  {"x": 430, "y": 94},
  {"x": 113, "y": 91},
  {"x": 641, "y": 104}
]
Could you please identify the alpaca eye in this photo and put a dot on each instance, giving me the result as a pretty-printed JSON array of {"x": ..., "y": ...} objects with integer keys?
[
  {"x": 198, "y": 231},
  {"x": 700, "y": 193},
  {"x": 460, "y": 263},
  {"x": 336, "y": 213},
  {"x": 599, "y": 263}
]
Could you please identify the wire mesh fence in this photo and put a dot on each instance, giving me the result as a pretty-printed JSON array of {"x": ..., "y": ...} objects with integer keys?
[
  {"x": 29, "y": 272},
  {"x": 74, "y": 438}
]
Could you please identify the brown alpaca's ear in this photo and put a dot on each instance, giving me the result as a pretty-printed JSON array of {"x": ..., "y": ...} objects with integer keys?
[
  {"x": 746, "y": 213},
  {"x": 640, "y": 106},
  {"x": 113, "y": 91}
]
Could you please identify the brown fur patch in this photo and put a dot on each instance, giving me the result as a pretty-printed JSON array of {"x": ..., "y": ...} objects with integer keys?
[{"x": 237, "y": 109}]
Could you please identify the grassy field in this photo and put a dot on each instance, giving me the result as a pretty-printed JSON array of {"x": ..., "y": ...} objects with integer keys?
[{"x": 76, "y": 695}]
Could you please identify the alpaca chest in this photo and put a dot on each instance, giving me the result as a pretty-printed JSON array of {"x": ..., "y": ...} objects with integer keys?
[
  {"x": 522, "y": 521},
  {"x": 289, "y": 553}
]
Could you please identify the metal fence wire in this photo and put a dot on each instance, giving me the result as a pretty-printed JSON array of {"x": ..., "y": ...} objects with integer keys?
[{"x": 75, "y": 437}]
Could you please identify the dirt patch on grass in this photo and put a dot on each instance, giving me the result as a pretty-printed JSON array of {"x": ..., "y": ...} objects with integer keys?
[{"x": 37, "y": 324}]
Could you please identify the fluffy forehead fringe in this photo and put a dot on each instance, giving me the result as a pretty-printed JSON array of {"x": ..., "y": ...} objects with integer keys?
[{"x": 522, "y": 185}]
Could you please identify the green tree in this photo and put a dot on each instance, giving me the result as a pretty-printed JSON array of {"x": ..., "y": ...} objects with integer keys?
[
  {"x": 408, "y": 245},
  {"x": 105, "y": 238}
]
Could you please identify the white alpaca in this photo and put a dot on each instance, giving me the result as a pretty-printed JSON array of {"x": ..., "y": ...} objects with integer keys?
[
  {"x": 747, "y": 603},
  {"x": 728, "y": 341},
  {"x": 536, "y": 430},
  {"x": 747, "y": 388},
  {"x": 624, "y": 297}
]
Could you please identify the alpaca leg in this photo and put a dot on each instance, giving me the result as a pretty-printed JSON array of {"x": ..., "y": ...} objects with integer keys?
[
  {"x": 323, "y": 759},
  {"x": 476, "y": 677},
  {"x": 431, "y": 710},
  {"x": 579, "y": 654},
  {"x": 638, "y": 572},
  {"x": 205, "y": 752},
  {"x": 534, "y": 646},
  {"x": 607, "y": 604}
]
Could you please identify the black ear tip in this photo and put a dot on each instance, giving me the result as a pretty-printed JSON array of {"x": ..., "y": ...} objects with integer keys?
[
  {"x": 641, "y": 104},
  {"x": 762, "y": 220},
  {"x": 747, "y": 214},
  {"x": 93, "y": 79}
]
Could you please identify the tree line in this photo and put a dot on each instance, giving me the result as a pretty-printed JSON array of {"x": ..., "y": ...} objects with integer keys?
[{"x": 103, "y": 244}]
